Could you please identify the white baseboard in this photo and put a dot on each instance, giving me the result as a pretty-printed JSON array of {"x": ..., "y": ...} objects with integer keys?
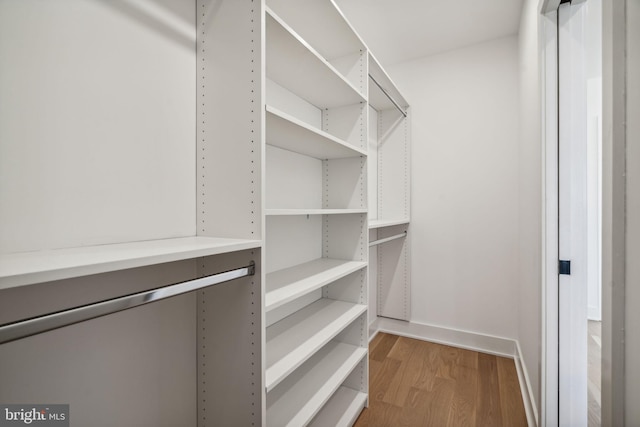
[
  {"x": 453, "y": 337},
  {"x": 373, "y": 329},
  {"x": 525, "y": 388},
  {"x": 498, "y": 346}
]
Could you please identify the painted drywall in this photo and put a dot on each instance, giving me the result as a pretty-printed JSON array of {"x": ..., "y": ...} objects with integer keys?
[
  {"x": 632, "y": 321},
  {"x": 530, "y": 198},
  {"x": 93, "y": 151},
  {"x": 465, "y": 187}
]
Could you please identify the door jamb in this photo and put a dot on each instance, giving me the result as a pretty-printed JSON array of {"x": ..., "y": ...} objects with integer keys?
[
  {"x": 613, "y": 196},
  {"x": 548, "y": 24}
]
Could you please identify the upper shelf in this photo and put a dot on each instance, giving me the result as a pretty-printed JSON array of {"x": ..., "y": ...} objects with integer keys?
[
  {"x": 321, "y": 24},
  {"x": 285, "y": 212},
  {"x": 379, "y": 223},
  {"x": 377, "y": 98},
  {"x": 27, "y": 268},
  {"x": 289, "y": 133},
  {"x": 293, "y": 64}
]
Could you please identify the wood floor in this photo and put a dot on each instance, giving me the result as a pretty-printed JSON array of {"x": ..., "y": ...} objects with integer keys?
[
  {"x": 417, "y": 383},
  {"x": 594, "y": 346}
]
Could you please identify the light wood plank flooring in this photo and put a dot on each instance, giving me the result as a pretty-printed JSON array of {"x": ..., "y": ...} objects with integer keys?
[
  {"x": 418, "y": 383},
  {"x": 594, "y": 346}
]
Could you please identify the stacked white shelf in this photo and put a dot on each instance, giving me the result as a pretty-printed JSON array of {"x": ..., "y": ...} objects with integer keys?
[
  {"x": 315, "y": 215},
  {"x": 389, "y": 197},
  {"x": 27, "y": 268}
]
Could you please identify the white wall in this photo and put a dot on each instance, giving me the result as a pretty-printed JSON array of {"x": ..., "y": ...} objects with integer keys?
[
  {"x": 530, "y": 198},
  {"x": 93, "y": 151},
  {"x": 465, "y": 187}
]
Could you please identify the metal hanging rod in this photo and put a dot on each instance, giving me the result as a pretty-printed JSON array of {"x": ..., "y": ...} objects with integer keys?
[
  {"x": 388, "y": 96},
  {"x": 388, "y": 239},
  {"x": 48, "y": 322}
]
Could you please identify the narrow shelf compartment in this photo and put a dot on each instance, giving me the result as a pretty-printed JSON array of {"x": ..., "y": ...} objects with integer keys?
[
  {"x": 27, "y": 268},
  {"x": 342, "y": 410},
  {"x": 303, "y": 394},
  {"x": 282, "y": 212},
  {"x": 289, "y": 133},
  {"x": 380, "y": 223},
  {"x": 295, "y": 65},
  {"x": 288, "y": 284},
  {"x": 294, "y": 339}
]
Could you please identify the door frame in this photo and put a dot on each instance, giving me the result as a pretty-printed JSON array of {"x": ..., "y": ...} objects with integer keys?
[{"x": 613, "y": 211}]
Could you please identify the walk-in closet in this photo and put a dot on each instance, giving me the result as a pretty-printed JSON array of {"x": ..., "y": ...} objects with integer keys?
[{"x": 288, "y": 213}]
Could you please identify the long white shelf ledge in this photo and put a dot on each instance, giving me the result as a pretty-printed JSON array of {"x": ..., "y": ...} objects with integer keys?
[
  {"x": 294, "y": 64},
  {"x": 321, "y": 24},
  {"x": 294, "y": 339},
  {"x": 303, "y": 394},
  {"x": 342, "y": 410},
  {"x": 290, "y": 133},
  {"x": 377, "y": 98},
  {"x": 275, "y": 212},
  {"x": 285, "y": 285},
  {"x": 25, "y": 268},
  {"x": 379, "y": 223},
  {"x": 388, "y": 239}
]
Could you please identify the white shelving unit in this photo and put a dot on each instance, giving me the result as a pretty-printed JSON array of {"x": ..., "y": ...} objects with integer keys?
[
  {"x": 316, "y": 213},
  {"x": 202, "y": 136},
  {"x": 304, "y": 394},
  {"x": 389, "y": 197}
]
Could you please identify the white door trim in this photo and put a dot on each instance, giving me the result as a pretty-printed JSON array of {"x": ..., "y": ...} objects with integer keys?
[
  {"x": 549, "y": 80},
  {"x": 613, "y": 224}
]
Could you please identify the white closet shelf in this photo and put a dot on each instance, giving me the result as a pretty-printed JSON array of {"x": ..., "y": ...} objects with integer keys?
[
  {"x": 380, "y": 223},
  {"x": 290, "y": 133},
  {"x": 282, "y": 212},
  {"x": 25, "y": 268},
  {"x": 342, "y": 410},
  {"x": 285, "y": 285},
  {"x": 377, "y": 99},
  {"x": 294, "y": 64},
  {"x": 303, "y": 394},
  {"x": 294, "y": 339},
  {"x": 313, "y": 19}
]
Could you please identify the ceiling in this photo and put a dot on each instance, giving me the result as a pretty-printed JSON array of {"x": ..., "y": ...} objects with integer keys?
[{"x": 401, "y": 30}]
